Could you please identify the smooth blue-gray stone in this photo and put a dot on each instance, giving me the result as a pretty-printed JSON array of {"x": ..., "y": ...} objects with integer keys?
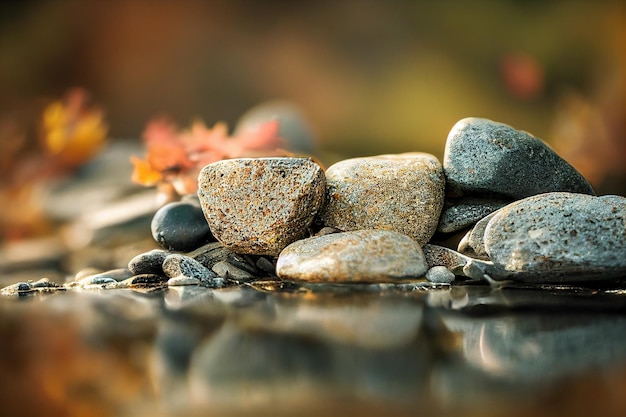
[{"x": 483, "y": 157}]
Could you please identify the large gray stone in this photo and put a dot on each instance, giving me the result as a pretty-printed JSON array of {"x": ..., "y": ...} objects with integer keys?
[
  {"x": 357, "y": 256},
  {"x": 260, "y": 205},
  {"x": 403, "y": 193},
  {"x": 483, "y": 157},
  {"x": 559, "y": 237}
]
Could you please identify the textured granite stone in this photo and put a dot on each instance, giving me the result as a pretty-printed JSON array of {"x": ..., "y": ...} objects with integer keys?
[
  {"x": 403, "y": 193},
  {"x": 260, "y": 205},
  {"x": 357, "y": 256},
  {"x": 559, "y": 236},
  {"x": 483, "y": 157}
]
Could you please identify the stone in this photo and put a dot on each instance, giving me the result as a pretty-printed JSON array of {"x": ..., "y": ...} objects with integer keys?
[
  {"x": 212, "y": 253},
  {"x": 265, "y": 265},
  {"x": 486, "y": 158},
  {"x": 457, "y": 214},
  {"x": 473, "y": 243},
  {"x": 558, "y": 237},
  {"x": 177, "y": 265},
  {"x": 260, "y": 205},
  {"x": 230, "y": 271},
  {"x": 182, "y": 280},
  {"x": 457, "y": 263},
  {"x": 402, "y": 193},
  {"x": 439, "y": 275},
  {"x": 149, "y": 262},
  {"x": 180, "y": 226},
  {"x": 356, "y": 256}
]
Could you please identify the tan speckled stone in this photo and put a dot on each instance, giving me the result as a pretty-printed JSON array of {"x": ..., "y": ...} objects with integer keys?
[
  {"x": 402, "y": 192},
  {"x": 260, "y": 205},
  {"x": 357, "y": 256}
]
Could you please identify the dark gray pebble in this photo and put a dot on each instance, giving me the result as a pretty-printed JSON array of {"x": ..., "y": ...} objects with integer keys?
[
  {"x": 149, "y": 262},
  {"x": 180, "y": 226}
]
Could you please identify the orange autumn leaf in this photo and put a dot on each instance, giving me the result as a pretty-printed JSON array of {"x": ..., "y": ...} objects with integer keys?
[
  {"x": 143, "y": 172},
  {"x": 176, "y": 157}
]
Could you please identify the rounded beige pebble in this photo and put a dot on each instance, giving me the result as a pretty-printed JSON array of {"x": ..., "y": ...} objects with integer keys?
[
  {"x": 357, "y": 256},
  {"x": 403, "y": 193},
  {"x": 258, "y": 206}
]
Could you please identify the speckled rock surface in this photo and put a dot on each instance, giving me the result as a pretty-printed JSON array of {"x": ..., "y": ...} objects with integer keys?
[
  {"x": 457, "y": 214},
  {"x": 483, "y": 157},
  {"x": 357, "y": 256},
  {"x": 177, "y": 265},
  {"x": 150, "y": 262},
  {"x": 473, "y": 243},
  {"x": 403, "y": 193},
  {"x": 260, "y": 205},
  {"x": 557, "y": 236}
]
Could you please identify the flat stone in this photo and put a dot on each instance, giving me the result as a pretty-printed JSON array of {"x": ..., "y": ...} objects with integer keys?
[
  {"x": 177, "y": 265},
  {"x": 260, "y": 205},
  {"x": 212, "y": 253},
  {"x": 473, "y": 243},
  {"x": 227, "y": 270},
  {"x": 357, "y": 256},
  {"x": 150, "y": 262},
  {"x": 440, "y": 275},
  {"x": 180, "y": 226},
  {"x": 457, "y": 214},
  {"x": 182, "y": 280},
  {"x": 403, "y": 193},
  {"x": 559, "y": 237},
  {"x": 483, "y": 157}
]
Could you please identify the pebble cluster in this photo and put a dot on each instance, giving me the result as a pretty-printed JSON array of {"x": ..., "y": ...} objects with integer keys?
[{"x": 529, "y": 216}]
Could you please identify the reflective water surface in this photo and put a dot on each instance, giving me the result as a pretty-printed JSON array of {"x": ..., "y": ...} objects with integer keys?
[{"x": 287, "y": 349}]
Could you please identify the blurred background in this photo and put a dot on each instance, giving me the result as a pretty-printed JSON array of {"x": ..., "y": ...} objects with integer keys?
[{"x": 369, "y": 77}]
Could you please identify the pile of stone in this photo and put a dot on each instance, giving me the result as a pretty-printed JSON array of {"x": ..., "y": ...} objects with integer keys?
[{"x": 531, "y": 217}]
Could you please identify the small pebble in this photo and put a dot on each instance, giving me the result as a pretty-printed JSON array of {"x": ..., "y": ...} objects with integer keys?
[
  {"x": 177, "y": 265},
  {"x": 266, "y": 266},
  {"x": 227, "y": 270},
  {"x": 180, "y": 226},
  {"x": 439, "y": 275},
  {"x": 149, "y": 262},
  {"x": 358, "y": 256},
  {"x": 473, "y": 243},
  {"x": 182, "y": 280},
  {"x": 264, "y": 218}
]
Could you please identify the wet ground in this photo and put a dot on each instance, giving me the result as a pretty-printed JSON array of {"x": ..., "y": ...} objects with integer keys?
[{"x": 281, "y": 348}]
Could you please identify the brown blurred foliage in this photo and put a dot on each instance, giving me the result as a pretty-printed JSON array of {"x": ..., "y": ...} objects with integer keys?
[{"x": 371, "y": 76}]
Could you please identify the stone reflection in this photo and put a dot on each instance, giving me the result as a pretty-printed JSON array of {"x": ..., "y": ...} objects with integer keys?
[{"x": 535, "y": 347}]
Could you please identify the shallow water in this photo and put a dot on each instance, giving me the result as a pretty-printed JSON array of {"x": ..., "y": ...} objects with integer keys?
[{"x": 277, "y": 348}]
